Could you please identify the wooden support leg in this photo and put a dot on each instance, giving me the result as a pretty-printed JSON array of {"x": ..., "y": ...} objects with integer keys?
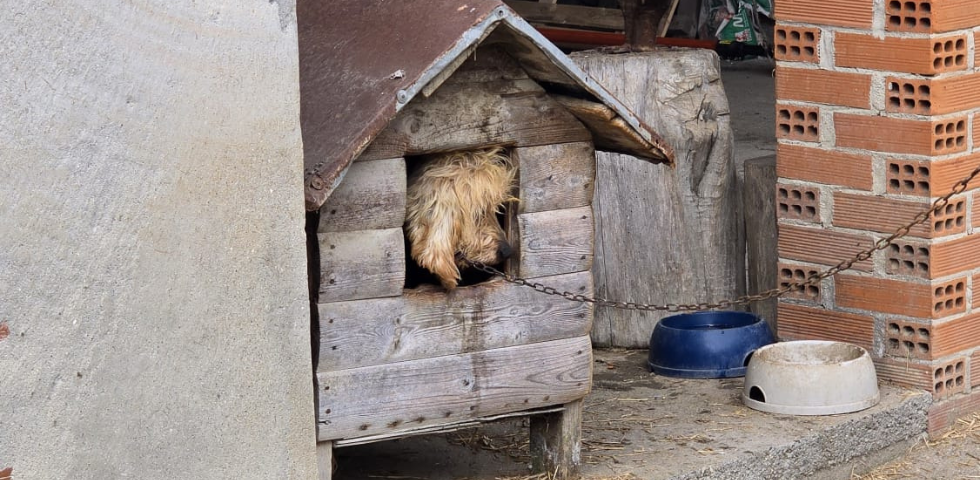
[
  {"x": 324, "y": 460},
  {"x": 556, "y": 441}
]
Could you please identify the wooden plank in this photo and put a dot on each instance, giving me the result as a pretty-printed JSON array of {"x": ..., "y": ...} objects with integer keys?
[
  {"x": 408, "y": 395},
  {"x": 555, "y": 176},
  {"x": 761, "y": 233},
  {"x": 612, "y": 132},
  {"x": 324, "y": 460},
  {"x": 362, "y": 264},
  {"x": 556, "y": 442},
  {"x": 489, "y": 63},
  {"x": 371, "y": 197},
  {"x": 569, "y": 15},
  {"x": 443, "y": 428},
  {"x": 422, "y": 324},
  {"x": 462, "y": 116},
  {"x": 555, "y": 242}
]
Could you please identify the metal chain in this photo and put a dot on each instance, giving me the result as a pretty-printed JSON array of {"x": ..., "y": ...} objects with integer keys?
[{"x": 813, "y": 279}]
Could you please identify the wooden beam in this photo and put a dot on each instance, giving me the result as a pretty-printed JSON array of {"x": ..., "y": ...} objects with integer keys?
[
  {"x": 556, "y": 442},
  {"x": 371, "y": 197},
  {"x": 408, "y": 395},
  {"x": 432, "y": 322},
  {"x": 555, "y": 242},
  {"x": 362, "y": 264},
  {"x": 569, "y": 15},
  {"x": 324, "y": 460},
  {"x": 461, "y": 116},
  {"x": 555, "y": 176}
]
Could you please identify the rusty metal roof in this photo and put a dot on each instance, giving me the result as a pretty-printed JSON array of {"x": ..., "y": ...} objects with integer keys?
[{"x": 361, "y": 61}]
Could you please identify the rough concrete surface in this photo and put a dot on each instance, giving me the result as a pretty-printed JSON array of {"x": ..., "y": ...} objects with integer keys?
[
  {"x": 152, "y": 253},
  {"x": 655, "y": 427}
]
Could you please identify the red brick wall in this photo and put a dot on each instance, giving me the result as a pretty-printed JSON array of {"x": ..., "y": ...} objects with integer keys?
[{"x": 877, "y": 113}]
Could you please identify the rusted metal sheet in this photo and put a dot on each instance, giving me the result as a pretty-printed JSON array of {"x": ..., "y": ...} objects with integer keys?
[{"x": 362, "y": 60}]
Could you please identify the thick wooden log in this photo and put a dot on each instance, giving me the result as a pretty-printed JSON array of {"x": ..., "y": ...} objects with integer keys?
[
  {"x": 432, "y": 322},
  {"x": 666, "y": 234},
  {"x": 371, "y": 197},
  {"x": 555, "y": 242},
  {"x": 555, "y": 176},
  {"x": 401, "y": 396},
  {"x": 468, "y": 115},
  {"x": 362, "y": 264},
  {"x": 556, "y": 442},
  {"x": 761, "y": 233}
]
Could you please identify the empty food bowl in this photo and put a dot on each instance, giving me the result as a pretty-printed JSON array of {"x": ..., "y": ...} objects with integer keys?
[
  {"x": 706, "y": 344},
  {"x": 810, "y": 378}
]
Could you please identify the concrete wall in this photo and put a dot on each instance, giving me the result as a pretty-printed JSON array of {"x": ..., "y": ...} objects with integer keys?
[{"x": 152, "y": 254}]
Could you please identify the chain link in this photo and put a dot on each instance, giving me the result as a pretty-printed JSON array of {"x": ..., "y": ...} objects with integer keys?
[{"x": 813, "y": 279}]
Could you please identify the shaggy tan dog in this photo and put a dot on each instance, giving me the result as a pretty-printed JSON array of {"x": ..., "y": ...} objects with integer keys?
[{"x": 453, "y": 201}]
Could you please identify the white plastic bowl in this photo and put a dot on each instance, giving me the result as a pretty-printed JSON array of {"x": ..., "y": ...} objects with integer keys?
[{"x": 810, "y": 378}]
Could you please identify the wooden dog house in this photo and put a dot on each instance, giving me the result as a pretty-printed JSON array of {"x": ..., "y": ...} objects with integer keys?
[{"x": 382, "y": 82}]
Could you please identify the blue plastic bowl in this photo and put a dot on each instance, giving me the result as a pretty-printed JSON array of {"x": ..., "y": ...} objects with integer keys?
[{"x": 707, "y": 344}]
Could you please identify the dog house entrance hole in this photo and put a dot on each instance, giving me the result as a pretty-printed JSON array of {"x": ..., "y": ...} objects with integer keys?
[{"x": 505, "y": 216}]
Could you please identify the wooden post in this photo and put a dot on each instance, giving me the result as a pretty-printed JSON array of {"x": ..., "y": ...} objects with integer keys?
[
  {"x": 759, "y": 198},
  {"x": 324, "y": 460},
  {"x": 556, "y": 442},
  {"x": 666, "y": 234}
]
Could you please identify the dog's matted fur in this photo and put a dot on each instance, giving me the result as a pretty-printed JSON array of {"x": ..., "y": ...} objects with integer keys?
[{"x": 453, "y": 201}]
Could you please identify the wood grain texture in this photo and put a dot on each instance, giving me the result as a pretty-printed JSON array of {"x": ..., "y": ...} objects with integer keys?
[
  {"x": 324, "y": 460},
  {"x": 388, "y": 398},
  {"x": 431, "y": 322},
  {"x": 468, "y": 115},
  {"x": 371, "y": 197},
  {"x": 666, "y": 234},
  {"x": 556, "y": 442},
  {"x": 555, "y": 242},
  {"x": 761, "y": 233},
  {"x": 568, "y": 15},
  {"x": 555, "y": 176},
  {"x": 362, "y": 264}
]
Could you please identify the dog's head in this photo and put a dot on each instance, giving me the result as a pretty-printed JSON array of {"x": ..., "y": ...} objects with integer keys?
[{"x": 453, "y": 201}]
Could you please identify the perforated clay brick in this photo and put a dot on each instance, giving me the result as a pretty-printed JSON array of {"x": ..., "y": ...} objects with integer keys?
[
  {"x": 797, "y": 274},
  {"x": 797, "y": 123},
  {"x": 797, "y": 44},
  {"x": 907, "y": 258},
  {"x": 907, "y": 340},
  {"x": 951, "y": 219},
  {"x": 908, "y": 16},
  {"x": 949, "y": 298},
  {"x": 950, "y": 136},
  {"x": 907, "y": 177},
  {"x": 798, "y": 203},
  {"x": 949, "y": 54},
  {"x": 949, "y": 378},
  {"x": 908, "y": 96}
]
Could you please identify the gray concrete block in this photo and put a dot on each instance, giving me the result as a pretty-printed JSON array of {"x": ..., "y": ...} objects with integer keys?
[{"x": 152, "y": 252}]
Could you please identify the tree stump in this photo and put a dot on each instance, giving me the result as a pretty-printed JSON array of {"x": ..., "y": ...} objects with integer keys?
[{"x": 666, "y": 234}]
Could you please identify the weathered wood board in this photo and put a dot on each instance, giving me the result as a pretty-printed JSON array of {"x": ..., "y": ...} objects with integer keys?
[
  {"x": 666, "y": 234},
  {"x": 761, "y": 233},
  {"x": 432, "y": 322},
  {"x": 555, "y": 242},
  {"x": 388, "y": 398},
  {"x": 371, "y": 197},
  {"x": 361, "y": 264},
  {"x": 556, "y": 442},
  {"x": 556, "y": 176},
  {"x": 470, "y": 115}
]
